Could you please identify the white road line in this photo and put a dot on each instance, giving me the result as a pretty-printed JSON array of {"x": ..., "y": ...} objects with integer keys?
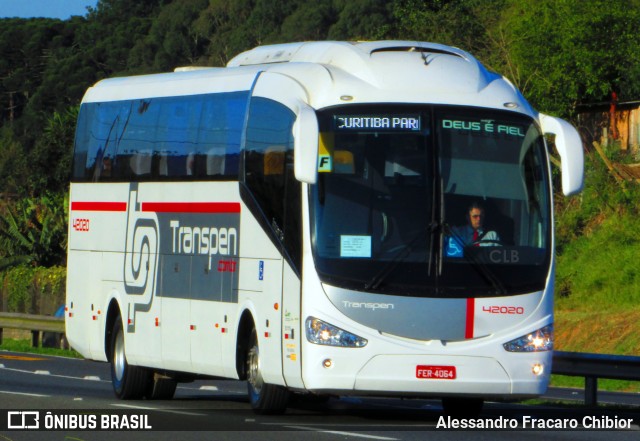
[
  {"x": 157, "y": 409},
  {"x": 208, "y": 388},
  {"x": 55, "y": 375},
  {"x": 91, "y": 378},
  {"x": 24, "y": 393},
  {"x": 338, "y": 432},
  {"x": 1, "y": 366}
]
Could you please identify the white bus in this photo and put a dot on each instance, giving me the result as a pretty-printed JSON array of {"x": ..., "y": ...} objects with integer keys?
[{"x": 296, "y": 220}]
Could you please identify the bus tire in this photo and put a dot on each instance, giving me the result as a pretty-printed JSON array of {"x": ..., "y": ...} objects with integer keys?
[
  {"x": 161, "y": 388},
  {"x": 129, "y": 382},
  {"x": 462, "y": 407},
  {"x": 265, "y": 399}
]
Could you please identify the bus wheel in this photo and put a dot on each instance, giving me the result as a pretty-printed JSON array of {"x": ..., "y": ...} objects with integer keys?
[
  {"x": 160, "y": 388},
  {"x": 265, "y": 398},
  {"x": 129, "y": 382},
  {"x": 462, "y": 407}
]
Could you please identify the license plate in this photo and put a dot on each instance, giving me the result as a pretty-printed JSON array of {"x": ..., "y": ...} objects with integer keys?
[{"x": 436, "y": 372}]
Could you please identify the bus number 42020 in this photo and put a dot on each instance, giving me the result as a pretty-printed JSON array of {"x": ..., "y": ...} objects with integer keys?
[
  {"x": 81, "y": 224},
  {"x": 503, "y": 309}
]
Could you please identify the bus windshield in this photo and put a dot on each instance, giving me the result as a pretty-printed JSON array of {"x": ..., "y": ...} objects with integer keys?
[{"x": 434, "y": 201}]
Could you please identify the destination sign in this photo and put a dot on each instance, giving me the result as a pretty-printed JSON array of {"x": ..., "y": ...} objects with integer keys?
[
  {"x": 402, "y": 123},
  {"x": 483, "y": 126}
]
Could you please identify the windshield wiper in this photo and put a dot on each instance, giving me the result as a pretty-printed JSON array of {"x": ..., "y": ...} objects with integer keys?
[{"x": 380, "y": 277}]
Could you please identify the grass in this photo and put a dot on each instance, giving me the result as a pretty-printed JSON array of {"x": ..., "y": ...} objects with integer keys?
[
  {"x": 24, "y": 346},
  {"x": 597, "y": 306},
  {"x": 603, "y": 384}
]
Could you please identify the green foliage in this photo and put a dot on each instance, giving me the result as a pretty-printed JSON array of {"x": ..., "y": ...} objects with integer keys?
[
  {"x": 172, "y": 40},
  {"x": 33, "y": 290},
  {"x": 571, "y": 51},
  {"x": 602, "y": 197},
  {"x": 13, "y": 165},
  {"x": 361, "y": 20},
  {"x": 35, "y": 231},
  {"x": 462, "y": 23},
  {"x": 51, "y": 158},
  {"x": 597, "y": 243},
  {"x": 24, "y": 346},
  {"x": 17, "y": 286},
  {"x": 600, "y": 270}
]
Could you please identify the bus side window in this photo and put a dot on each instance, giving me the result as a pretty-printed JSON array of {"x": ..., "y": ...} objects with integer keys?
[{"x": 268, "y": 140}]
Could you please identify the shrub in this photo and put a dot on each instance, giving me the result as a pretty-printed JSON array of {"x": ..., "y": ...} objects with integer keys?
[{"x": 32, "y": 290}]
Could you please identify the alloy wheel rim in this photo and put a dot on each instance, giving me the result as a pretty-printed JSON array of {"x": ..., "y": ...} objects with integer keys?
[
  {"x": 254, "y": 375},
  {"x": 119, "y": 361}
]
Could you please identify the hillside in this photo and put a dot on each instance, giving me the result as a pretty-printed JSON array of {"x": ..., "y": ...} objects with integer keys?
[{"x": 597, "y": 276}]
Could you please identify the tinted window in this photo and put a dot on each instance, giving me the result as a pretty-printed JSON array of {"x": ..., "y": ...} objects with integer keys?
[
  {"x": 169, "y": 138},
  {"x": 269, "y": 175}
]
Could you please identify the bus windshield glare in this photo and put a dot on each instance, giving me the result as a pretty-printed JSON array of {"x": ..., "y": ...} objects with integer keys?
[{"x": 435, "y": 201}]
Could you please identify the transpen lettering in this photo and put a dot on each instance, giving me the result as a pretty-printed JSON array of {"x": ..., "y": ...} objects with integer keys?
[{"x": 209, "y": 241}]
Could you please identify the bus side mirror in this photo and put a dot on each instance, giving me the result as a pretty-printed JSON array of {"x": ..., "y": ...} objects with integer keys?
[
  {"x": 305, "y": 146},
  {"x": 569, "y": 145}
]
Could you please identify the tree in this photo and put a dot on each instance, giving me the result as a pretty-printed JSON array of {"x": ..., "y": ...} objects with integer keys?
[
  {"x": 173, "y": 40},
  {"x": 310, "y": 21},
  {"x": 51, "y": 158},
  {"x": 13, "y": 165},
  {"x": 361, "y": 20},
  {"x": 571, "y": 51}
]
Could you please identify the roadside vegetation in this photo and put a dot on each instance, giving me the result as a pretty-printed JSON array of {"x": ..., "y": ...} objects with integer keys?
[
  {"x": 597, "y": 277},
  {"x": 24, "y": 346}
]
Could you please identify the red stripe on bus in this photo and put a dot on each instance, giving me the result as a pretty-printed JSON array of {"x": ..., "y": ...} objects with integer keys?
[
  {"x": 99, "y": 206},
  {"x": 468, "y": 331},
  {"x": 191, "y": 207}
]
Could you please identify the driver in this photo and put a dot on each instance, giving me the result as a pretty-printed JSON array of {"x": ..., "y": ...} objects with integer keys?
[{"x": 473, "y": 234}]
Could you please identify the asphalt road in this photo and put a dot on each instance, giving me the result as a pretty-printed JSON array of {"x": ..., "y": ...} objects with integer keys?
[{"x": 79, "y": 392}]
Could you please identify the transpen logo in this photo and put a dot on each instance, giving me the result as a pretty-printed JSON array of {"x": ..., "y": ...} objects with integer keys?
[
  {"x": 141, "y": 254},
  {"x": 368, "y": 305}
]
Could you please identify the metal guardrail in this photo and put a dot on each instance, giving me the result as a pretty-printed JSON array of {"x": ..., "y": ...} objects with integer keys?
[
  {"x": 594, "y": 366},
  {"x": 31, "y": 322}
]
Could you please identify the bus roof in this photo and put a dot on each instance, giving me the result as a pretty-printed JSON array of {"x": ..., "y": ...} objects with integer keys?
[{"x": 334, "y": 73}]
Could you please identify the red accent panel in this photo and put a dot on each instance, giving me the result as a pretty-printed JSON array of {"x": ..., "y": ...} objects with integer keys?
[
  {"x": 191, "y": 207},
  {"x": 99, "y": 206},
  {"x": 471, "y": 304}
]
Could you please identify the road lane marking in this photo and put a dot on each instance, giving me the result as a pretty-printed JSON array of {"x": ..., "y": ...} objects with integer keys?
[
  {"x": 42, "y": 373},
  {"x": 158, "y": 409},
  {"x": 91, "y": 378},
  {"x": 208, "y": 388},
  {"x": 339, "y": 432},
  {"x": 24, "y": 393},
  {"x": 24, "y": 371},
  {"x": 21, "y": 358}
]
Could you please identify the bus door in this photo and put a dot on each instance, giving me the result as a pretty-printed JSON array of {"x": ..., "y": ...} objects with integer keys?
[{"x": 274, "y": 103}]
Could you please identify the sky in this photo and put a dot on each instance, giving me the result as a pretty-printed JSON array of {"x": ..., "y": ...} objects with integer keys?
[{"x": 62, "y": 9}]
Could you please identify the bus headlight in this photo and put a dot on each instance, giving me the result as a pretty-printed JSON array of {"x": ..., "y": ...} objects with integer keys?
[
  {"x": 322, "y": 333},
  {"x": 537, "y": 341}
]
